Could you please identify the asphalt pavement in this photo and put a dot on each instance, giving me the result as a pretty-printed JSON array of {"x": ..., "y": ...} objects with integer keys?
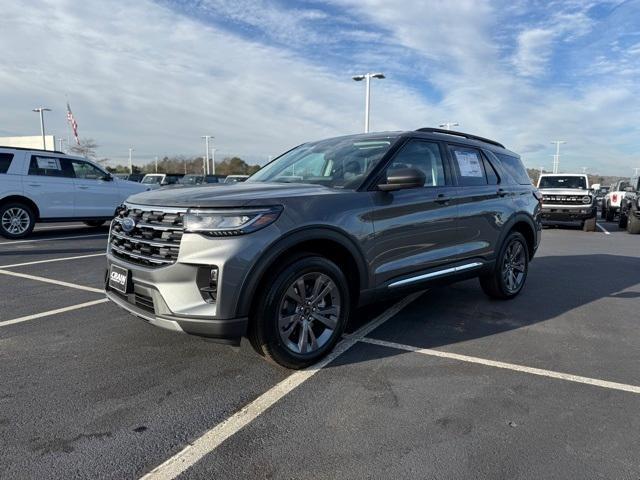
[{"x": 448, "y": 384}]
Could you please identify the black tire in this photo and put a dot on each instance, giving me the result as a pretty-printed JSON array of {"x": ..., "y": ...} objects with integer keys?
[
  {"x": 622, "y": 221},
  {"x": 589, "y": 225},
  {"x": 264, "y": 333},
  {"x": 5, "y": 222},
  {"x": 633, "y": 225},
  {"x": 94, "y": 223},
  {"x": 494, "y": 284},
  {"x": 610, "y": 215},
  {"x": 603, "y": 212}
]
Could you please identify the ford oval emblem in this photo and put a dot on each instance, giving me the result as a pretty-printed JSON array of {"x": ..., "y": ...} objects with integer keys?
[{"x": 128, "y": 224}]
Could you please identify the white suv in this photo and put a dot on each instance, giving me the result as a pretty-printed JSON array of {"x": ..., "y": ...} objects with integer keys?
[{"x": 48, "y": 186}]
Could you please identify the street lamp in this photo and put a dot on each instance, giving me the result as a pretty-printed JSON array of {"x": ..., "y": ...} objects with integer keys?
[
  {"x": 205, "y": 160},
  {"x": 130, "y": 161},
  {"x": 556, "y": 158},
  {"x": 367, "y": 102},
  {"x": 41, "y": 111},
  {"x": 448, "y": 125}
]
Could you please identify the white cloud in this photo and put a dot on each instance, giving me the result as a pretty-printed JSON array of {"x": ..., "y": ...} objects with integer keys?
[{"x": 534, "y": 49}]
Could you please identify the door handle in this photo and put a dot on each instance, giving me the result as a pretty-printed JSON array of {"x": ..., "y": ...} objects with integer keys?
[
  {"x": 502, "y": 192},
  {"x": 83, "y": 187},
  {"x": 35, "y": 184},
  {"x": 442, "y": 199}
]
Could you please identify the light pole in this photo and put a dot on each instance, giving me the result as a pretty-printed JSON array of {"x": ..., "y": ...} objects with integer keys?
[
  {"x": 130, "y": 161},
  {"x": 556, "y": 158},
  {"x": 213, "y": 161},
  {"x": 448, "y": 125},
  {"x": 367, "y": 99},
  {"x": 205, "y": 160},
  {"x": 41, "y": 111}
]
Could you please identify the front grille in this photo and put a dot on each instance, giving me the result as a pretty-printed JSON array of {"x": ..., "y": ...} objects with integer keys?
[
  {"x": 144, "y": 302},
  {"x": 155, "y": 239},
  {"x": 563, "y": 199}
]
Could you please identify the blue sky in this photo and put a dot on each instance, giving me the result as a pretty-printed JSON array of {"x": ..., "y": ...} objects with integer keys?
[{"x": 262, "y": 76}]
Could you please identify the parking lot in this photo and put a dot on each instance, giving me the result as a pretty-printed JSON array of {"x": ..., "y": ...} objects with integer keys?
[{"x": 442, "y": 384}]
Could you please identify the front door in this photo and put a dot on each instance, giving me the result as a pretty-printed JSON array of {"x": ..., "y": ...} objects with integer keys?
[
  {"x": 50, "y": 184},
  {"x": 415, "y": 228},
  {"x": 94, "y": 196}
]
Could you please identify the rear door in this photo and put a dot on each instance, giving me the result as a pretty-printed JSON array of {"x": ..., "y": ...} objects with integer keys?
[
  {"x": 484, "y": 201},
  {"x": 94, "y": 196},
  {"x": 50, "y": 184},
  {"x": 415, "y": 228}
]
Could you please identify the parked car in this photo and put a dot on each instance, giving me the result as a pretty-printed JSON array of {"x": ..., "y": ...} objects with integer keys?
[
  {"x": 235, "y": 178},
  {"x": 192, "y": 180},
  {"x": 629, "y": 207},
  {"x": 49, "y": 186},
  {"x": 566, "y": 197},
  {"x": 286, "y": 256},
  {"x": 157, "y": 180},
  {"x": 613, "y": 199},
  {"x": 600, "y": 192}
]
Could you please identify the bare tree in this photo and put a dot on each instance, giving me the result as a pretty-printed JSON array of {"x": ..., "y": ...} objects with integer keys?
[{"x": 86, "y": 148}]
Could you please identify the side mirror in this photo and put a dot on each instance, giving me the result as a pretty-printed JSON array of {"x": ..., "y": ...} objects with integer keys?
[
  {"x": 108, "y": 178},
  {"x": 401, "y": 178}
]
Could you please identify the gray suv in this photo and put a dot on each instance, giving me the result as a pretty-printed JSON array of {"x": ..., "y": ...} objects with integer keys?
[{"x": 285, "y": 257}]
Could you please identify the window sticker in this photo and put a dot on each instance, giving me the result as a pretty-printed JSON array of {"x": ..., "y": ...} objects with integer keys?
[
  {"x": 469, "y": 164},
  {"x": 48, "y": 163}
]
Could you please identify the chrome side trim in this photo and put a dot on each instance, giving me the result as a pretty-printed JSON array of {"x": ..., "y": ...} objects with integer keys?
[
  {"x": 438, "y": 273},
  {"x": 155, "y": 208},
  {"x": 153, "y": 243},
  {"x": 141, "y": 256}
]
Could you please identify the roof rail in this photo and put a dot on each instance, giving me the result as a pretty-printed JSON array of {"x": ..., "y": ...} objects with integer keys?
[
  {"x": 460, "y": 134},
  {"x": 33, "y": 149}
]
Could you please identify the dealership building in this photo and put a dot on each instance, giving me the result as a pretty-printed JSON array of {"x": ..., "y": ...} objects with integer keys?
[{"x": 33, "y": 141}]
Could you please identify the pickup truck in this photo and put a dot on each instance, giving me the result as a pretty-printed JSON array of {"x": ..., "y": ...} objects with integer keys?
[
  {"x": 613, "y": 199},
  {"x": 566, "y": 197},
  {"x": 630, "y": 207}
]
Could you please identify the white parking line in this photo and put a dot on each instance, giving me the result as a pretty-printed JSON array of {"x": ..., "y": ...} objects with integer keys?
[
  {"x": 507, "y": 366},
  {"x": 603, "y": 229},
  {"x": 221, "y": 432},
  {"x": 17, "y": 242},
  {"x": 62, "y": 259},
  {"x": 52, "y": 312},
  {"x": 50, "y": 280}
]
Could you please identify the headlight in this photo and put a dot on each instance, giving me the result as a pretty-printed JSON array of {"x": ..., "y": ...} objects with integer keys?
[
  {"x": 224, "y": 223},
  {"x": 586, "y": 199}
]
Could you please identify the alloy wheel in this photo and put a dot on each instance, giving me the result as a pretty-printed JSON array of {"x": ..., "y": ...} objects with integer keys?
[
  {"x": 514, "y": 266},
  {"x": 309, "y": 312},
  {"x": 15, "y": 220}
]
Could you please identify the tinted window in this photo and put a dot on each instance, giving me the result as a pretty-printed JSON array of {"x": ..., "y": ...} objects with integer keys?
[
  {"x": 514, "y": 167},
  {"x": 423, "y": 156},
  {"x": 86, "y": 170},
  {"x": 469, "y": 166},
  {"x": 563, "y": 182},
  {"x": 492, "y": 175},
  {"x": 50, "y": 166},
  {"x": 5, "y": 161}
]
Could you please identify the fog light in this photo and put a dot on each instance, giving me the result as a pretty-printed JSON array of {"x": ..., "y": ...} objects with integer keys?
[{"x": 208, "y": 283}]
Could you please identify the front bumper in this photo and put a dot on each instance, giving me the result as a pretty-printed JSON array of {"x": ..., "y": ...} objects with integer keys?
[{"x": 562, "y": 213}]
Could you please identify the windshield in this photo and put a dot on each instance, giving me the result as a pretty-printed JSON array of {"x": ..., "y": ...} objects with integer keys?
[
  {"x": 189, "y": 180},
  {"x": 338, "y": 162},
  {"x": 152, "y": 179},
  {"x": 563, "y": 182}
]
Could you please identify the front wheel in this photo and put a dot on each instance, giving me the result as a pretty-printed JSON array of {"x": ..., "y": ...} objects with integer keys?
[
  {"x": 510, "y": 272},
  {"x": 589, "y": 225},
  {"x": 302, "y": 313},
  {"x": 622, "y": 220},
  {"x": 16, "y": 220},
  {"x": 633, "y": 224}
]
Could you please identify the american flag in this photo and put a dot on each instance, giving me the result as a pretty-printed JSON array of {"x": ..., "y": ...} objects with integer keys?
[{"x": 73, "y": 123}]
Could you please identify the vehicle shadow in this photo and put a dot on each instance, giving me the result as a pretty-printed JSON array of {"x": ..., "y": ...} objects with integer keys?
[{"x": 461, "y": 312}]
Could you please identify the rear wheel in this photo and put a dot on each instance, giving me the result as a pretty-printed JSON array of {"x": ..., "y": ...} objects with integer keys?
[
  {"x": 603, "y": 212},
  {"x": 16, "y": 220},
  {"x": 94, "y": 223},
  {"x": 609, "y": 215},
  {"x": 302, "y": 313},
  {"x": 622, "y": 221},
  {"x": 633, "y": 225},
  {"x": 510, "y": 272},
  {"x": 589, "y": 225}
]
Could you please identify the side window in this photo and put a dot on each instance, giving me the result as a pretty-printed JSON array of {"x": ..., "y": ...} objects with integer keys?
[
  {"x": 423, "y": 156},
  {"x": 492, "y": 175},
  {"x": 469, "y": 166},
  {"x": 50, "y": 166},
  {"x": 86, "y": 171},
  {"x": 5, "y": 162},
  {"x": 514, "y": 167}
]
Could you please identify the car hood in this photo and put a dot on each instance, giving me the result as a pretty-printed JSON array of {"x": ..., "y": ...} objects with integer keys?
[
  {"x": 230, "y": 194},
  {"x": 564, "y": 191}
]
